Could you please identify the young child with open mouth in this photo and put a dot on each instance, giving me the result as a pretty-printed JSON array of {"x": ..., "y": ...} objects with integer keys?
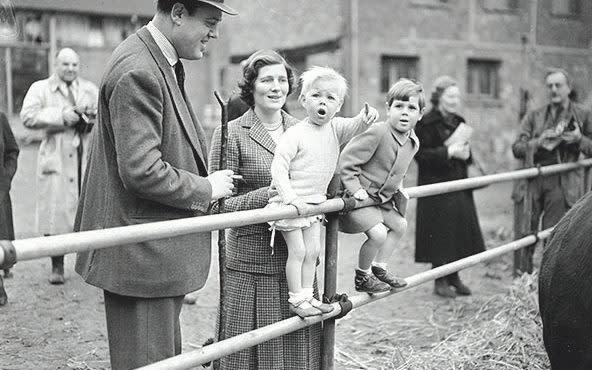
[{"x": 304, "y": 162}]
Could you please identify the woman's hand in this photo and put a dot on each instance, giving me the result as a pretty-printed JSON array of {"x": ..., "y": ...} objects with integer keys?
[
  {"x": 459, "y": 151},
  {"x": 361, "y": 194},
  {"x": 368, "y": 114}
]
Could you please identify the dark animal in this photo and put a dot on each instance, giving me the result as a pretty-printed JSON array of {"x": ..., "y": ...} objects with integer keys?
[{"x": 565, "y": 290}]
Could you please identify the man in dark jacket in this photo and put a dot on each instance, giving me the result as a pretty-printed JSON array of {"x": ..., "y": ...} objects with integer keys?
[
  {"x": 558, "y": 132},
  {"x": 148, "y": 164}
]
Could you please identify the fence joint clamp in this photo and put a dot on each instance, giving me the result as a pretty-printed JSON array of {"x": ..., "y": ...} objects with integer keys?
[
  {"x": 9, "y": 254},
  {"x": 349, "y": 203},
  {"x": 344, "y": 303}
]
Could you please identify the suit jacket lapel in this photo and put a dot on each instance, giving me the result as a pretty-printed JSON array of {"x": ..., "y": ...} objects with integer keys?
[
  {"x": 181, "y": 106},
  {"x": 257, "y": 132}
]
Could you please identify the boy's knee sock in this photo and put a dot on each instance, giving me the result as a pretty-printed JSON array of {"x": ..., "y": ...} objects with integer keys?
[
  {"x": 309, "y": 292},
  {"x": 382, "y": 265},
  {"x": 365, "y": 271}
]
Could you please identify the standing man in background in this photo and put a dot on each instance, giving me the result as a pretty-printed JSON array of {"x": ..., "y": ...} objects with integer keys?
[
  {"x": 63, "y": 106},
  {"x": 558, "y": 132},
  {"x": 148, "y": 164}
]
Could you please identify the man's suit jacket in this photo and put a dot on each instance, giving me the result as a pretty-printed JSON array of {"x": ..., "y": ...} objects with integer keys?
[{"x": 147, "y": 163}]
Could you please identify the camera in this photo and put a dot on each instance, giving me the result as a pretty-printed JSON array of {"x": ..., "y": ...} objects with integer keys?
[
  {"x": 85, "y": 122},
  {"x": 564, "y": 126}
]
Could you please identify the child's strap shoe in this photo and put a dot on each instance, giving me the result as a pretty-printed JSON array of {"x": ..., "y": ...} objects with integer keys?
[
  {"x": 304, "y": 309},
  {"x": 369, "y": 283},
  {"x": 323, "y": 307},
  {"x": 387, "y": 277}
]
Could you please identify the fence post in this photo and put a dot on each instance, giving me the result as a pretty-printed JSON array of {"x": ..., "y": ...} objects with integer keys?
[{"x": 331, "y": 236}]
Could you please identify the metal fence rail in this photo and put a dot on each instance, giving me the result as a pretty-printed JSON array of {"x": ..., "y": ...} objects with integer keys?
[
  {"x": 231, "y": 345},
  {"x": 55, "y": 245}
]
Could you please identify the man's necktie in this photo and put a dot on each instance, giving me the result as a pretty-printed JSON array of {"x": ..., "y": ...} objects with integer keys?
[
  {"x": 71, "y": 95},
  {"x": 180, "y": 73}
]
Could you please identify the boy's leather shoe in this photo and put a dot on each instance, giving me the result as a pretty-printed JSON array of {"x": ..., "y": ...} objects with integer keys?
[
  {"x": 369, "y": 283},
  {"x": 385, "y": 276}
]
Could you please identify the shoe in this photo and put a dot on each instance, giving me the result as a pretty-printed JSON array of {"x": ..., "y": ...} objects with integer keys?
[
  {"x": 57, "y": 275},
  {"x": 369, "y": 283},
  {"x": 304, "y": 309},
  {"x": 323, "y": 307},
  {"x": 461, "y": 289},
  {"x": 442, "y": 288},
  {"x": 188, "y": 299},
  {"x": 386, "y": 277}
]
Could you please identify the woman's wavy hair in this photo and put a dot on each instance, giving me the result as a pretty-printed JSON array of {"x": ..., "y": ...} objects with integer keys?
[
  {"x": 251, "y": 68},
  {"x": 440, "y": 84}
]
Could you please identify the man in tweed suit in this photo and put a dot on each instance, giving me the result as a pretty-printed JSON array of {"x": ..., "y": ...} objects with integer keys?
[{"x": 148, "y": 164}]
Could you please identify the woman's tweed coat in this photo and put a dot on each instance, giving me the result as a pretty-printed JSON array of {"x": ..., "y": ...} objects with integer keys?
[
  {"x": 447, "y": 227},
  {"x": 256, "y": 288}
]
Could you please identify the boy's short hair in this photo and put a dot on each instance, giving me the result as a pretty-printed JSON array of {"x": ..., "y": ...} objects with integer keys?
[
  {"x": 316, "y": 73},
  {"x": 403, "y": 90}
]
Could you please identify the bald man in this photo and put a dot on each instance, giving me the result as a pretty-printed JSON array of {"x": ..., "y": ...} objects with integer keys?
[{"x": 63, "y": 107}]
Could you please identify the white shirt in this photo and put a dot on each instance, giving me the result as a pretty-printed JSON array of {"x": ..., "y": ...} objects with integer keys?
[{"x": 168, "y": 50}]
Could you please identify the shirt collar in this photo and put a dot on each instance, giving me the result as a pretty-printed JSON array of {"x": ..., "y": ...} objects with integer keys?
[
  {"x": 163, "y": 44},
  {"x": 55, "y": 83},
  {"x": 402, "y": 137}
]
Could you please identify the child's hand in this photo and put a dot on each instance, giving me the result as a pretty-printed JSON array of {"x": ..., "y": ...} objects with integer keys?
[
  {"x": 368, "y": 114},
  {"x": 301, "y": 206},
  {"x": 361, "y": 194}
]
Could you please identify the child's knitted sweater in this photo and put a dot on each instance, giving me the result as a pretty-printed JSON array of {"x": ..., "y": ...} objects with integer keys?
[{"x": 306, "y": 157}]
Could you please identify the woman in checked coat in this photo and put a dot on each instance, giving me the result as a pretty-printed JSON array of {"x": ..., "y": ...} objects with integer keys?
[{"x": 256, "y": 291}]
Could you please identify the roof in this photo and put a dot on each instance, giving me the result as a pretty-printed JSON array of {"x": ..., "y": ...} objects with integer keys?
[{"x": 111, "y": 7}]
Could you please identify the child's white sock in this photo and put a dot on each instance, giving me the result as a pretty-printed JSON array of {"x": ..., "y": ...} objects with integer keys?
[
  {"x": 382, "y": 265},
  {"x": 368, "y": 271},
  {"x": 309, "y": 293},
  {"x": 296, "y": 298}
]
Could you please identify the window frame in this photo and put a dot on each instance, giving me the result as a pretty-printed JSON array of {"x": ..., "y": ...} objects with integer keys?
[
  {"x": 477, "y": 66},
  {"x": 388, "y": 60},
  {"x": 574, "y": 12}
]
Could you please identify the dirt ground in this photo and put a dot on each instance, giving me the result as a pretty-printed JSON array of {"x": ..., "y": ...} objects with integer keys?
[{"x": 62, "y": 327}]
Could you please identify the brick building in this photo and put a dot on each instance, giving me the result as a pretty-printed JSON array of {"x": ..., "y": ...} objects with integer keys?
[{"x": 496, "y": 49}]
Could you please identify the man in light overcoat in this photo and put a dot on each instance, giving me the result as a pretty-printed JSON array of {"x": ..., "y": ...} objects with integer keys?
[
  {"x": 148, "y": 163},
  {"x": 55, "y": 106}
]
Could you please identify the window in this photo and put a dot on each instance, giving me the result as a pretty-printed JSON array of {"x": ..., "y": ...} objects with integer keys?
[
  {"x": 395, "y": 67},
  {"x": 565, "y": 8},
  {"x": 483, "y": 78},
  {"x": 501, "y": 5}
]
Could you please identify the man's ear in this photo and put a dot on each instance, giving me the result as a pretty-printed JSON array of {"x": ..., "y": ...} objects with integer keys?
[{"x": 177, "y": 13}]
